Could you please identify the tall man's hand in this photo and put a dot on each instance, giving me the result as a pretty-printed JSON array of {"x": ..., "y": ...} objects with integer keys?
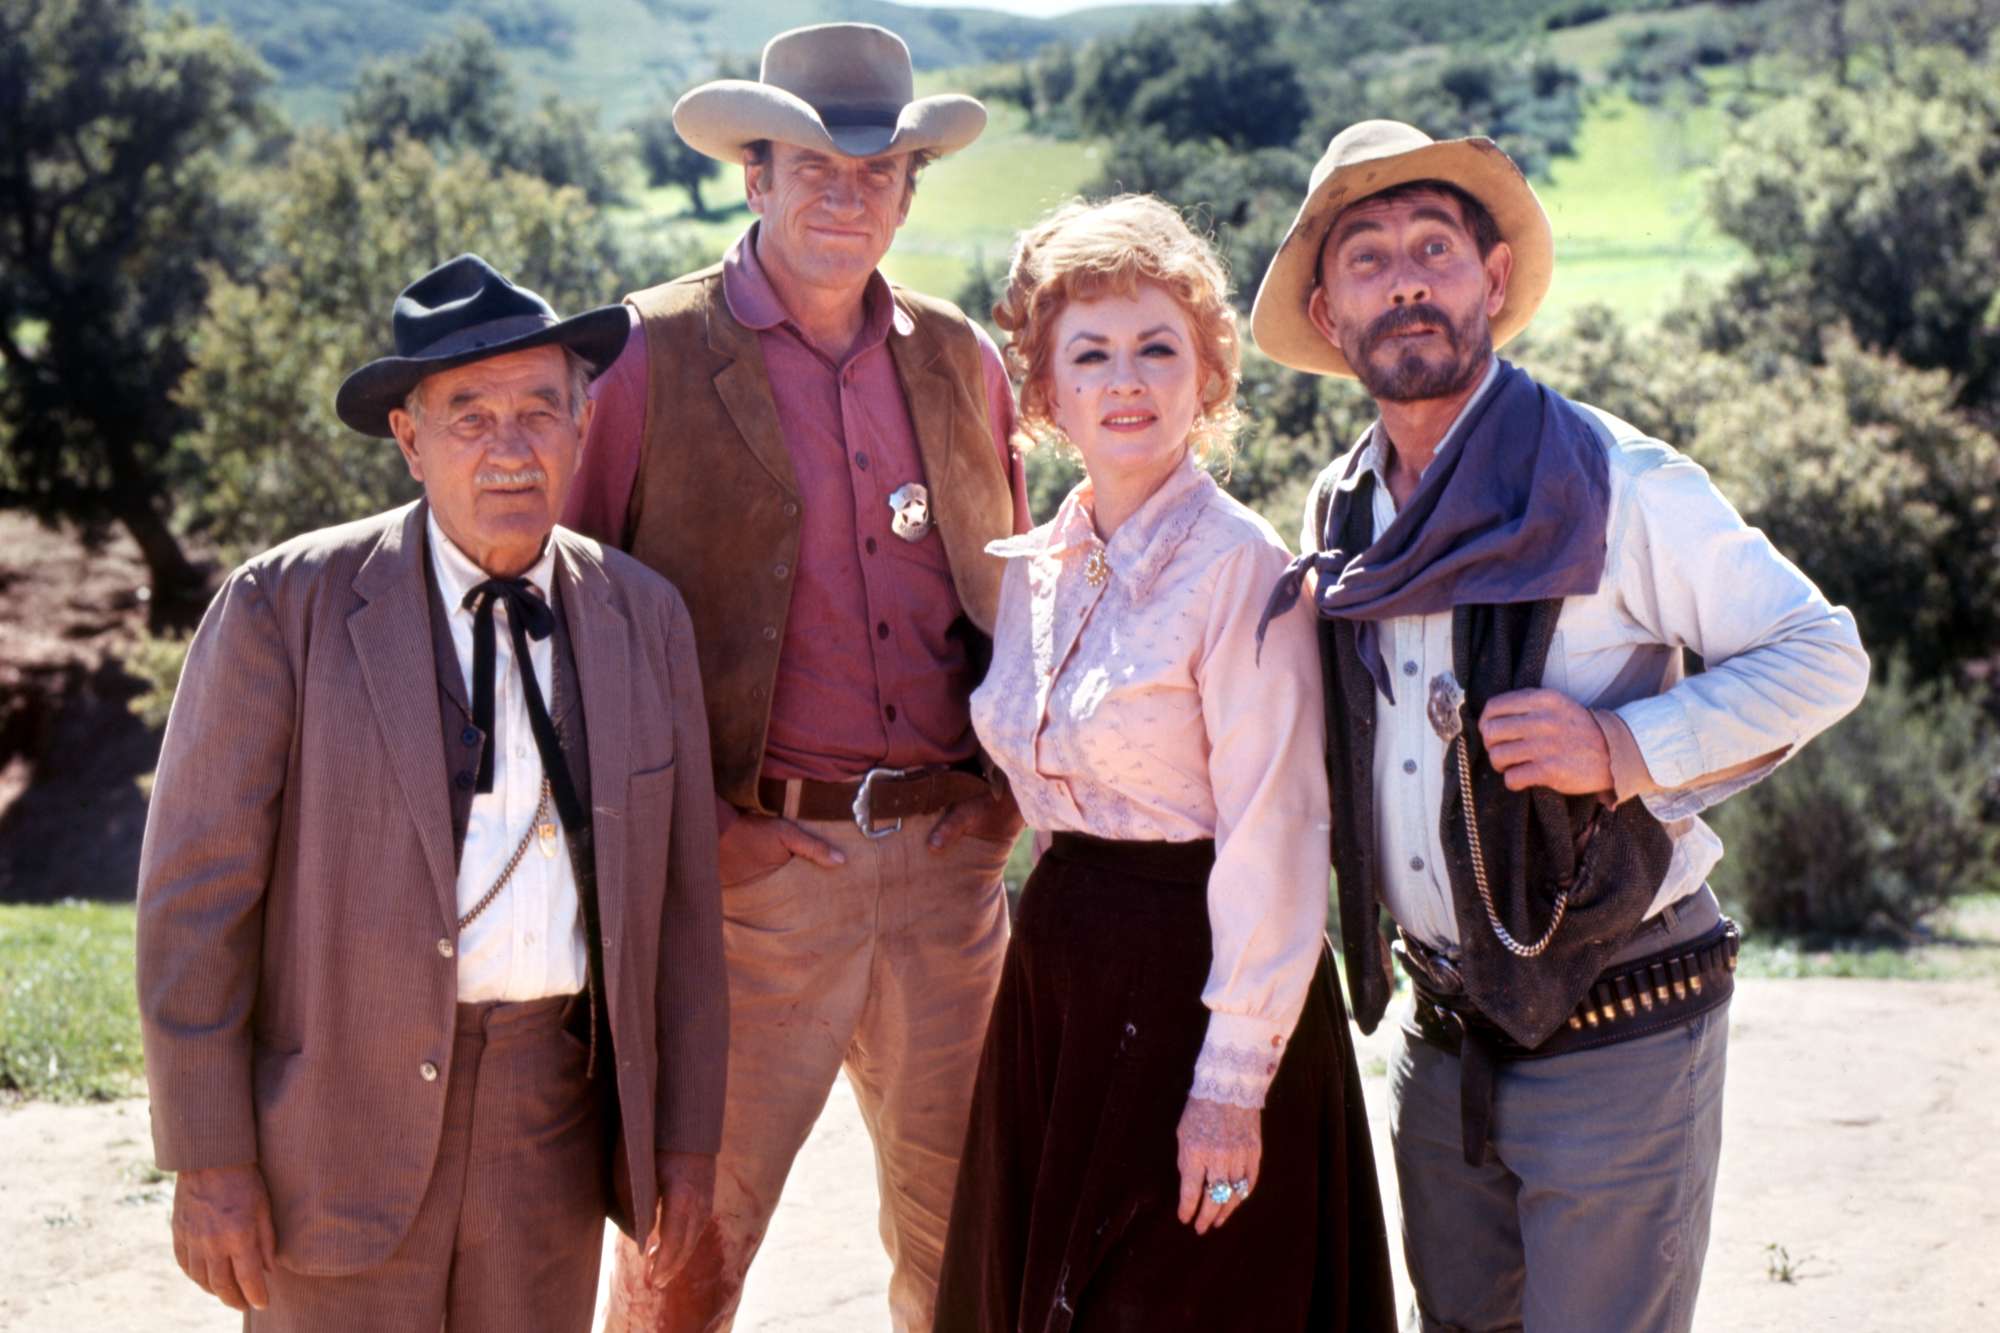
[
  {"x": 993, "y": 817},
  {"x": 222, "y": 1233},
  {"x": 687, "y": 1198},
  {"x": 1539, "y": 738},
  {"x": 754, "y": 844}
]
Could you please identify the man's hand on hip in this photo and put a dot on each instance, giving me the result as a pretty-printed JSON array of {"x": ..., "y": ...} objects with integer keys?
[
  {"x": 687, "y": 1198},
  {"x": 755, "y": 844},
  {"x": 1539, "y": 738},
  {"x": 222, "y": 1233},
  {"x": 993, "y": 817}
]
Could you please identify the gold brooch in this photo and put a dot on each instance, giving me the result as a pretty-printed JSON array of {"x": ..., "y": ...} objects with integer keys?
[{"x": 1096, "y": 568}]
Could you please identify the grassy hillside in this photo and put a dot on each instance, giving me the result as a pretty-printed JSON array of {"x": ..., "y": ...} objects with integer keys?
[{"x": 619, "y": 54}]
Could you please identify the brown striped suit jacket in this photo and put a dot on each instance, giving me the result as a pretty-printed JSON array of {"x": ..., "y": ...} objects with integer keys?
[{"x": 299, "y": 875}]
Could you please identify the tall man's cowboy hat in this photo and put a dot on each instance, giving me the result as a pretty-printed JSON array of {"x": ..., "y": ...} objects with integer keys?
[
  {"x": 1369, "y": 158},
  {"x": 842, "y": 88},
  {"x": 465, "y": 310}
]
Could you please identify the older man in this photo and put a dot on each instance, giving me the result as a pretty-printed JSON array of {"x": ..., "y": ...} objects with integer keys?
[
  {"x": 817, "y": 460},
  {"x": 1507, "y": 583},
  {"x": 429, "y": 939}
]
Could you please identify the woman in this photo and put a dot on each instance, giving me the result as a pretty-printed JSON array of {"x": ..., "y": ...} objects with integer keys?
[{"x": 1167, "y": 1131}]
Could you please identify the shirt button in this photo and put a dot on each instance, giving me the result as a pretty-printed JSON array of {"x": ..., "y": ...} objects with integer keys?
[
  {"x": 770, "y": 632},
  {"x": 1409, "y": 668},
  {"x": 1416, "y": 863},
  {"x": 428, "y": 1071},
  {"x": 791, "y": 510},
  {"x": 869, "y": 546},
  {"x": 444, "y": 949},
  {"x": 470, "y": 735},
  {"x": 528, "y": 938},
  {"x": 779, "y": 571},
  {"x": 464, "y": 781},
  {"x": 881, "y": 629},
  {"x": 861, "y": 461},
  {"x": 607, "y": 941},
  {"x": 1409, "y": 765},
  {"x": 890, "y": 712},
  {"x": 520, "y": 752}
]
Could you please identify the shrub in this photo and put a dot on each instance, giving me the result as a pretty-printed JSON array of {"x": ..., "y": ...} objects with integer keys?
[{"x": 1875, "y": 825}]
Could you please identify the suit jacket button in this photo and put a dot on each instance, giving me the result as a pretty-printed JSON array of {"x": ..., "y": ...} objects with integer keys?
[
  {"x": 429, "y": 1071},
  {"x": 444, "y": 949}
]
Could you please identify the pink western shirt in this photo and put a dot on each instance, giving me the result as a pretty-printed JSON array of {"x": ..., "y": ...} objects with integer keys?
[
  {"x": 1139, "y": 708},
  {"x": 869, "y": 673}
]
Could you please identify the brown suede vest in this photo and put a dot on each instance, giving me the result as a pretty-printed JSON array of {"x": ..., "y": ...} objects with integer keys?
[{"x": 715, "y": 507}]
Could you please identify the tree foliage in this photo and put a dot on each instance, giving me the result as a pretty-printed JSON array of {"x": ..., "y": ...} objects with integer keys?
[
  {"x": 113, "y": 217},
  {"x": 669, "y": 159},
  {"x": 459, "y": 95}
]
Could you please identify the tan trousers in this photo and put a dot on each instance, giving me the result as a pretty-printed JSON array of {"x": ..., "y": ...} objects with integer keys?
[
  {"x": 885, "y": 966},
  {"x": 510, "y": 1235}
]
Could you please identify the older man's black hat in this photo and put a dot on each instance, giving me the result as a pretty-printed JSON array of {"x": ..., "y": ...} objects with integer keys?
[{"x": 465, "y": 310}]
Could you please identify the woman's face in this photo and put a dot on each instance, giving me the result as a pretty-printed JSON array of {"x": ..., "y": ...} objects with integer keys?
[{"x": 1125, "y": 384}]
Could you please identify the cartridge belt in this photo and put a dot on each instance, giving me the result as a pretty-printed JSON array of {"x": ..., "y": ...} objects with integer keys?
[{"x": 1634, "y": 999}]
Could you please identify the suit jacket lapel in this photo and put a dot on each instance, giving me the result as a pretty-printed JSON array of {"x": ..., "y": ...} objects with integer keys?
[
  {"x": 745, "y": 388},
  {"x": 599, "y": 637},
  {"x": 392, "y": 640}
]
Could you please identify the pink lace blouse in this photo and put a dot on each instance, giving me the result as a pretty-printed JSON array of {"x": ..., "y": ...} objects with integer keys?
[{"x": 1137, "y": 709}]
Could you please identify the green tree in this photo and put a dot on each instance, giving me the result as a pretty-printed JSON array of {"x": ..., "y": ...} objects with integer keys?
[
  {"x": 113, "y": 216},
  {"x": 1878, "y": 210},
  {"x": 459, "y": 95},
  {"x": 345, "y": 230},
  {"x": 668, "y": 158}
]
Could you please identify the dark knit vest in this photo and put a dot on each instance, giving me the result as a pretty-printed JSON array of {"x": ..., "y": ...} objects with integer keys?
[{"x": 1535, "y": 842}]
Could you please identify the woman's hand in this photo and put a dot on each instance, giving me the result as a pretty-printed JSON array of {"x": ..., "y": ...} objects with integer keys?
[{"x": 1218, "y": 1143}]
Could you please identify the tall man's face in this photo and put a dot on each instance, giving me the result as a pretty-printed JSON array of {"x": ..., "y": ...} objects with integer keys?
[
  {"x": 1406, "y": 296},
  {"x": 828, "y": 219}
]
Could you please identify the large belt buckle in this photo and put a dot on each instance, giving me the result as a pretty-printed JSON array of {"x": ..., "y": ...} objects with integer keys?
[{"x": 864, "y": 801}]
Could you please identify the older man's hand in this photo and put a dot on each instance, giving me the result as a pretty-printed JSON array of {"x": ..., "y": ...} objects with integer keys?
[
  {"x": 687, "y": 1199},
  {"x": 1539, "y": 738},
  {"x": 222, "y": 1233}
]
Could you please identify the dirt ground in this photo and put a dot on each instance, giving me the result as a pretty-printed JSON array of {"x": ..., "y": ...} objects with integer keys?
[{"x": 1861, "y": 1139}]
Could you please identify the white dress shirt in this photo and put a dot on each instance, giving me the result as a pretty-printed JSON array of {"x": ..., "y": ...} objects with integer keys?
[
  {"x": 1682, "y": 571},
  {"x": 528, "y": 943},
  {"x": 1139, "y": 708}
]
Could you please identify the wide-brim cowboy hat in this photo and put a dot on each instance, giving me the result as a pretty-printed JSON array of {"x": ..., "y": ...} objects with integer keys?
[
  {"x": 465, "y": 310},
  {"x": 1369, "y": 158},
  {"x": 844, "y": 88}
]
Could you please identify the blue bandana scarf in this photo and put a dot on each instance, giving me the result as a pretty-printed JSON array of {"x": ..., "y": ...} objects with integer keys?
[{"x": 1513, "y": 508}]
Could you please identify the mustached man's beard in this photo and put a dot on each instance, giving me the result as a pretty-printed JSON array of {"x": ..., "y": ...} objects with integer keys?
[{"x": 1409, "y": 378}]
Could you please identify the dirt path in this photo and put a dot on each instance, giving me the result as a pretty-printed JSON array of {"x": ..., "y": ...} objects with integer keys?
[{"x": 1861, "y": 1137}]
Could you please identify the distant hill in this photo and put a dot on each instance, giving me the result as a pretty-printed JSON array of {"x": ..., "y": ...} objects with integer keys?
[{"x": 619, "y": 54}]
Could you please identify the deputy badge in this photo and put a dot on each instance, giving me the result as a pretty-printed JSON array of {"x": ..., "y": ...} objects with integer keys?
[{"x": 910, "y": 504}]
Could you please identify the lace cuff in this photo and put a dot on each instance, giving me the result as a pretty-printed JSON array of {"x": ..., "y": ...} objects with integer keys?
[{"x": 1239, "y": 1058}]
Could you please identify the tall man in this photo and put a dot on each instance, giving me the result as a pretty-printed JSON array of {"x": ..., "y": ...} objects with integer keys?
[
  {"x": 430, "y": 964},
  {"x": 1507, "y": 583},
  {"x": 817, "y": 460}
]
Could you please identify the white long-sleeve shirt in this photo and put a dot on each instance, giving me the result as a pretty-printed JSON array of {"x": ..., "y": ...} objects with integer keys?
[
  {"x": 1137, "y": 709},
  {"x": 528, "y": 943},
  {"x": 1682, "y": 571}
]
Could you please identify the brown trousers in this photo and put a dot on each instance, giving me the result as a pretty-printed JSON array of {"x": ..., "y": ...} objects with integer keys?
[
  {"x": 885, "y": 966},
  {"x": 510, "y": 1234}
]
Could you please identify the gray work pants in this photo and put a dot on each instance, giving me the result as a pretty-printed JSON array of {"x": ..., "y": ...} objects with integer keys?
[{"x": 1590, "y": 1212}]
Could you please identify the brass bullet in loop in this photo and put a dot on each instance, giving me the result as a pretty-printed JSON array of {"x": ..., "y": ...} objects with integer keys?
[
  {"x": 1590, "y": 1015},
  {"x": 1625, "y": 1000}
]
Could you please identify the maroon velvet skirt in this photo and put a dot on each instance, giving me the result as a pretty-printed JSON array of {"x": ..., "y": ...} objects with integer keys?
[{"x": 1064, "y": 1216}]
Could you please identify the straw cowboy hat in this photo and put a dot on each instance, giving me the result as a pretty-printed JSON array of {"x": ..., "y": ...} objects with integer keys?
[
  {"x": 1369, "y": 158},
  {"x": 839, "y": 87},
  {"x": 465, "y": 310}
]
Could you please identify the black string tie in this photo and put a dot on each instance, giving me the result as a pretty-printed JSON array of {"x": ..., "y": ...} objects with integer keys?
[{"x": 528, "y": 616}]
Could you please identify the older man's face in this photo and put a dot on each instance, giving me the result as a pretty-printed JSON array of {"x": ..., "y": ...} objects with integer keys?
[
  {"x": 1407, "y": 298},
  {"x": 496, "y": 444},
  {"x": 827, "y": 219}
]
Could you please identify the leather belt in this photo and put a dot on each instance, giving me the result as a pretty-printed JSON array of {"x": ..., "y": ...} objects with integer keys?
[
  {"x": 880, "y": 796},
  {"x": 1635, "y": 999}
]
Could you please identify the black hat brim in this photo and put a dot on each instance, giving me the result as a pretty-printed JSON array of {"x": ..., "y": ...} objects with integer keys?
[{"x": 367, "y": 396}]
